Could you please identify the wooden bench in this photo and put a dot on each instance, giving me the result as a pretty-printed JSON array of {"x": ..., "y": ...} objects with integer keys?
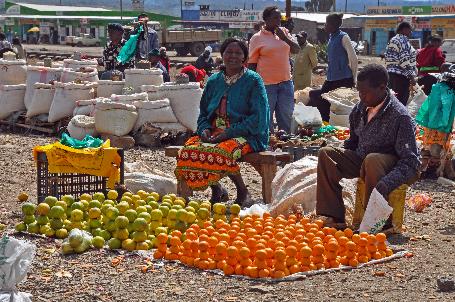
[{"x": 265, "y": 163}]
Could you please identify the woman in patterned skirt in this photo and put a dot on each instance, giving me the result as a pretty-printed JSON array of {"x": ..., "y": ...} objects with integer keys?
[{"x": 233, "y": 121}]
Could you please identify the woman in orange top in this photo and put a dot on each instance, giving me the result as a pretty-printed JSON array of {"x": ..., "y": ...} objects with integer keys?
[{"x": 269, "y": 53}]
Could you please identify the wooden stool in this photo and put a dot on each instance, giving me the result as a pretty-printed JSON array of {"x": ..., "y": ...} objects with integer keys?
[
  {"x": 396, "y": 200},
  {"x": 266, "y": 163}
]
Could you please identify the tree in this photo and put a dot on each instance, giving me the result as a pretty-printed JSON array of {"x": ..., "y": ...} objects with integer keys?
[{"x": 319, "y": 5}]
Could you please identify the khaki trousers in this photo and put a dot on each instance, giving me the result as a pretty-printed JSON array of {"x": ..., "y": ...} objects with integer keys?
[{"x": 337, "y": 163}]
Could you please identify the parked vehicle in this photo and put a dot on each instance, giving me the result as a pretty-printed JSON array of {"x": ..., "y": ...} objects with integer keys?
[{"x": 82, "y": 40}]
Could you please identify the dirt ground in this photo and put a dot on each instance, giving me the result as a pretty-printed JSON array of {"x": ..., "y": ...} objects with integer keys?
[{"x": 430, "y": 237}]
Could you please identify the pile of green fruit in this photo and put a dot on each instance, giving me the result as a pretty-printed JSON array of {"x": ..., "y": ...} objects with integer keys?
[{"x": 129, "y": 222}]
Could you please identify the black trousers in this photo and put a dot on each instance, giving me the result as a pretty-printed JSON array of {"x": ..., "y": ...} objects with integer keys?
[
  {"x": 324, "y": 106},
  {"x": 400, "y": 84}
]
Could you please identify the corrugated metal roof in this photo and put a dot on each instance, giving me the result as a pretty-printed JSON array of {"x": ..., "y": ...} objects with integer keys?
[
  {"x": 406, "y": 16},
  {"x": 318, "y": 18},
  {"x": 61, "y": 8},
  {"x": 65, "y": 17}
]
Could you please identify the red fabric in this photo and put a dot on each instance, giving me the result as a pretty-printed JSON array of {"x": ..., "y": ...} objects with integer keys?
[
  {"x": 166, "y": 63},
  {"x": 430, "y": 56},
  {"x": 199, "y": 74}
]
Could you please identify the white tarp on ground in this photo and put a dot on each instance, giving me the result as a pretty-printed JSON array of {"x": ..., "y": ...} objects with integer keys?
[{"x": 140, "y": 176}]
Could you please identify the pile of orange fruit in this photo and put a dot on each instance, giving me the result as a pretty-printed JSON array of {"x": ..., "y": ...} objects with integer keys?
[{"x": 262, "y": 247}]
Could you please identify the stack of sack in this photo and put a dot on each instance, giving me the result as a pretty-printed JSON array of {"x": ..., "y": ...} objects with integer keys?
[{"x": 342, "y": 101}]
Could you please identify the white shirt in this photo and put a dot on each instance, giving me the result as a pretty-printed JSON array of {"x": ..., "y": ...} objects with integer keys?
[{"x": 352, "y": 57}]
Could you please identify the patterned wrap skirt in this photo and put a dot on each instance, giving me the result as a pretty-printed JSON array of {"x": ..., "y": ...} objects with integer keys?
[{"x": 203, "y": 164}]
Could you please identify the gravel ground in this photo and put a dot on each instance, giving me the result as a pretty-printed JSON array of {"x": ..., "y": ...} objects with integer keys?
[{"x": 430, "y": 237}]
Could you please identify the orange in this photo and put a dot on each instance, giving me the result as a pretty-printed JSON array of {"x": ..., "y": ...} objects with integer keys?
[
  {"x": 355, "y": 238},
  {"x": 269, "y": 252},
  {"x": 162, "y": 247},
  {"x": 191, "y": 235},
  {"x": 299, "y": 238},
  {"x": 281, "y": 266},
  {"x": 264, "y": 273},
  {"x": 309, "y": 236},
  {"x": 381, "y": 237},
  {"x": 371, "y": 239},
  {"x": 204, "y": 255},
  {"x": 207, "y": 224},
  {"x": 238, "y": 270},
  {"x": 203, "y": 264},
  {"x": 304, "y": 220},
  {"x": 270, "y": 262},
  {"x": 219, "y": 257},
  {"x": 304, "y": 268},
  {"x": 348, "y": 233},
  {"x": 212, "y": 264},
  {"x": 239, "y": 244},
  {"x": 294, "y": 269},
  {"x": 204, "y": 238},
  {"x": 245, "y": 262},
  {"x": 280, "y": 235},
  {"x": 176, "y": 233},
  {"x": 362, "y": 242},
  {"x": 196, "y": 261},
  {"x": 328, "y": 238},
  {"x": 343, "y": 240},
  {"x": 261, "y": 264},
  {"x": 187, "y": 244},
  {"x": 372, "y": 248},
  {"x": 389, "y": 252},
  {"x": 363, "y": 259},
  {"x": 364, "y": 235},
  {"x": 220, "y": 265},
  {"x": 291, "y": 251},
  {"x": 290, "y": 261},
  {"x": 175, "y": 241},
  {"x": 244, "y": 252},
  {"x": 345, "y": 261},
  {"x": 319, "y": 223},
  {"x": 260, "y": 246},
  {"x": 351, "y": 254},
  {"x": 221, "y": 247},
  {"x": 313, "y": 230},
  {"x": 280, "y": 255},
  {"x": 338, "y": 234},
  {"x": 332, "y": 246},
  {"x": 383, "y": 254},
  {"x": 305, "y": 261},
  {"x": 318, "y": 250},
  {"x": 382, "y": 246},
  {"x": 253, "y": 272},
  {"x": 280, "y": 245},
  {"x": 174, "y": 249},
  {"x": 377, "y": 256},
  {"x": 278, "y": 274},
  {"x": 203, "y": 246},
  {"x": 313, "y": 267},
  {"x": 162, "y": 238},
  {"x": 261, "y": 254},
  {"x": 334, "y": 263},
  {"x": 331, "y": 255},
  {"x": 353, "y": 262},
  {"x": 317, "y": 259},
  {"x": 320, "y": 234},
  {"x": 224, "y": 238},
  {"x": 158, "y": 255},
  {"x": 213, "y": 241},
  {"x": 232, "y": 261},
  {"x": 228, "y": 270},
  {"x": 351, "y": 246},
  {"x": 203, "y": 232},
  {"x": 194, "y": 246},
  {"x": 320, "y": 266}
]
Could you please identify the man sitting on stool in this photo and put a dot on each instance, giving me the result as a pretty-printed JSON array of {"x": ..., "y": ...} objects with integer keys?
[{"x": 381, "y": 149}]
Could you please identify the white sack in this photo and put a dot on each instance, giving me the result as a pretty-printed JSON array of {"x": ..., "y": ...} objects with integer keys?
[
  {"x": 106, "y": 88},
  {"x": 17, "y": 256},
  {"x": 342, "y": 100},
  {"x": 36, "y": 74},
  {"x": 69, "y": 75},
  {"x": 154, "y": 112},
  {"x": 129, "y": 99},
  {"x": 12, "y": 72},
  {"x": 376, "y": 214},
  {"x": 77, "y": 64},
  {"x": 65, "y": 97},
  {"x": 115, "y": 118},
  {"x": 150, "y": 182},
  {"x": 153, "y": 92},
  {"x": 11, "y": 99},
  {"x": 42, "y": 99},
  {"x": 341, "y": 120},
  {"x": 138, "y": 77},
  {"x": 416, "y": 100},
  {"x": 80, "y": 126},
  {"x": 307, "y": 116},
  {"x": 87, "y": 107}
]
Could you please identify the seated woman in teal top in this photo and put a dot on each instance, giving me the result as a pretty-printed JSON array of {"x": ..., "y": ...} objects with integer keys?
[{"x": 233, "y": 121}]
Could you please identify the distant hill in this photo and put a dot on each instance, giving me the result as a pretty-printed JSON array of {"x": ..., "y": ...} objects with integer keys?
[{"x": 172, "y": 7}]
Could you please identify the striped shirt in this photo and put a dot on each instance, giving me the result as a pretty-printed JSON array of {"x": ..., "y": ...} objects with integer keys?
[{"x": 400, "y": 57}]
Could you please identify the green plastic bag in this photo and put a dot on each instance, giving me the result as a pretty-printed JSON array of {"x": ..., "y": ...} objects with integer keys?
[
  {"x": 129, "y": 49},
  {"x": 87, "y": 142}
]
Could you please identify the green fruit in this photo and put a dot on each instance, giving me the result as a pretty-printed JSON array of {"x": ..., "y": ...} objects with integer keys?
[
  {"x": 166, "y": 204},
  {"x": 110, "y": 226},
  {"x": 104, "y": 208},
  {"x": 21, "y": 227},
  {"x": 219, "y": 208},
  {"x": 121, "y": 222},
  {"x": 177, "y": 207},
  {"x": 129, "y": 245},
  {"x": 141, "y": 203},
  {"x": 160, "y": 230},
  {"x": 141, "y": 209},
  {"x": 122, "y": 207},
  {"x": 122, "y": 234},
  {"x": 33, "y": 228},
  {"x": 235, "y": 209},
  {"x": 154, "y": 225},
  {"x": 112, "y": 194},
  {"x": 149, "y": 208},
  {"x": 85, "y": 197},
  {"x": 94, "y": 213},
  {"x": 68, "y": 199},
  {"x": 105, "y": 234},
  {"x": 139, "y": 236},
  {"x": 28, "y": 219},
  {"x": 80, "y": 249},
  {"x": 171, "y": 223},
  {"x": 57, "y": 212},
  {"x": 146, "y": 216},
  {"x": 62, "y": 204},
  {"x": 50, "y": 200},
  {"x": 42, "y": 220},
  {"x": 172, "y": 214},
  {"x": 98, "y": 242},
  {"x": 114, "y": 243},
  {"x": 181, "y": 226},
  {"x": 95, "y": 224},
  {"x": 61, "y": 233},
  {"x": 131, "y": 214},
  {"x": 56, "y": 223},
  {"x": 130, "y": 228},
  {"x": 28, "y": 208},
  {"x": 190, "y": 218},
  {"x": 190, "y": 209},
  {"x": 99, "y": 196},
  {"x": 182, "y": 215},
  {"x": 108, "y": 201},
  {"x": 77, "y": 215},
  {"x": 43, "y": 209},
  {"x": 194, "y": 205},
  {"x": 203, "y": 213},
  {"x": 94, "y": 204},
  {"x": 75, "y": 240},
  {"x": 67, "y": 249},
  {"x": 96, "y": 232},
  {"x": 43, "y": 229},
  {"x": 77, "y": 206},
  {"x": 112, "y": 213},
  {"x": 153, "y": 204},
  {"x": 156, "y": 215},
  {"x": 85, "y": 204},
  {"x": 206, "y": 204},
  {"x": 149, "y": 244},
  {"x": 140, "y": 225}
]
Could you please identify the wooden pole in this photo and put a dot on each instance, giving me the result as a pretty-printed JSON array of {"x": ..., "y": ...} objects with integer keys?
[{"x": 288, "y": 9}]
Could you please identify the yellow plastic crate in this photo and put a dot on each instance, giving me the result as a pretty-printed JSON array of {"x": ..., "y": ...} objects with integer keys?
[{"x": 396, "y": 200}]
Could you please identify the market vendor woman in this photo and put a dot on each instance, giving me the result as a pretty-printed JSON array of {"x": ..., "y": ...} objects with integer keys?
[{"x": 233, "y": 121}]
